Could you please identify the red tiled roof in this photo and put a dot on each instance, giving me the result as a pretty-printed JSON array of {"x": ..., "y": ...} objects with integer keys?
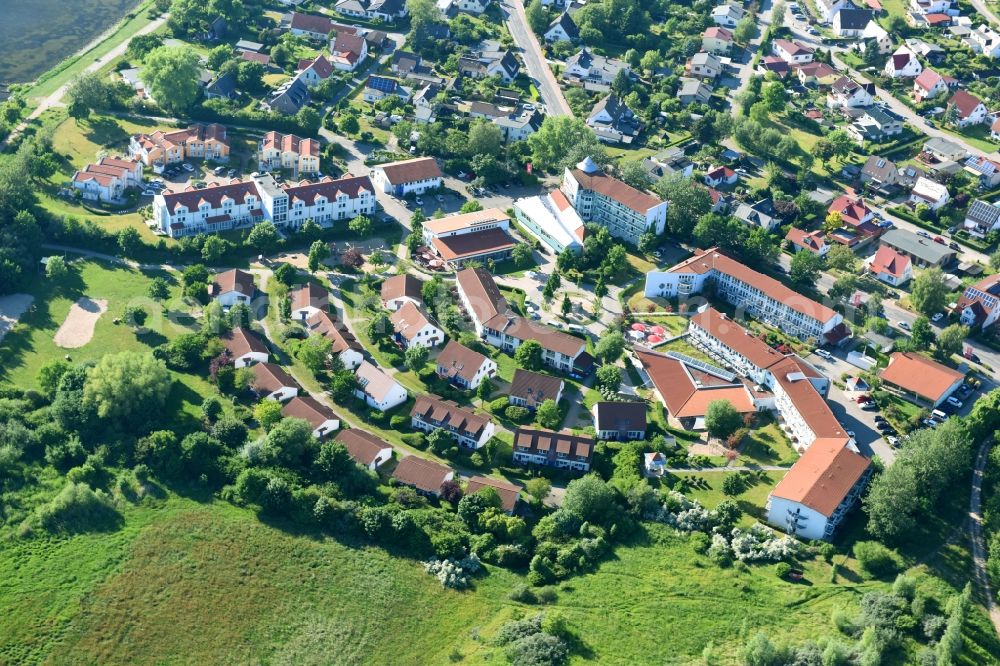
[
  {"x": 330, "y": 188},
  {"x": 965, "y": 103},
  {"x": 232, "y": 280},
  {"x": 887, "y": 260},
  {"x": 409, "y": 171},
  {"x": 853, "y": 210},
  {"x": 241, "y": 341},
  {"x": 809, "y": 240},
  {"x": 268, "y": 378},
  {"x": 735, "y": 337},
  {"x": 361, "y": 445},
  {"x": 823, "y": 476},
  {"x": 472, "y": 244},
  {"x": 615, "y": 189},
  {"x": 423, "y": 474},
  {"x": 310, "y": 410},
  {"x": 920, "y": 375},
  {"x": 336, "y": 331},
  {"x": 509, "y": 492},
  {"x": 713, "y": 259}
]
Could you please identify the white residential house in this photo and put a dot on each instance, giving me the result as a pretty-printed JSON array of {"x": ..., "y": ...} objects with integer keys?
[
  {"x": 307, "y": 300},
  {"x": 345, "y": 346},
  {"x": 985, "y": 41},
  {"x": 903, "y": 63},
  {"x": 563, "y": 29},
  {"x": 271, "y": 382},
  {"x": 464, "y": 367},
  {"x": 850, "y": 22},
  {"x": 414, "y": 176},
  {"x": 981, "y": 218},
  {"x": 875, "y": 36},
  {"x": 890, "y": 266},
  {"x": 322, "y": 419},
  {"x": 315, "y": 71},
  {"x": 846, "y": 93},
  {"x": 377, "y": 389},
  {"x": 108, "y": 179},
  {"x": 244, "y": 347},
  {"x": 232, "y": 287},
  {"x": 716, "y": 40},
  {"x": 932, "y": 194},
  {"x": 465, "y": 426},
  {"x": 792, "y": 52},
  {"x": 705, "y": 65},
  {"x": 929, "y": 85},
  {"x": 727, "y": 16},
  {"x": 827, "y": 9},
  {"x": 415, "y": 328},
  {"x": 969, "y": 110},
  {"x": 365, "y": 448}
]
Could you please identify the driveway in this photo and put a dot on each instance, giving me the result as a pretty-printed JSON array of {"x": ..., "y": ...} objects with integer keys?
[
  {"x": 848, "y": 412},
  {"x": 745, "y": 71}
]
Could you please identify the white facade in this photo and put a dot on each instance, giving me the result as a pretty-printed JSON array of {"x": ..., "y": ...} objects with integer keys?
[
  {"x": 411, "y": 186},
  {"x": 926, "y": 191},
  {"x": 985, "y": 41},
  {"x": 557, "y": 225},
  {"x": 377, "y": 389},
  {"x": 282, "y": 394},
  {"x": 903, "y": 63},
  {"x": 250, "y": 358}
]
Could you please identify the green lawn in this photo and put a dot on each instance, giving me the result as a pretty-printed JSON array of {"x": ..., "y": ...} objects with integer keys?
[
  {"x": 767, "y": 446},
  {"x": 29, "y": 345},
  {"x": 751, "y": 501},
  {"x": 213, "y": 583}
]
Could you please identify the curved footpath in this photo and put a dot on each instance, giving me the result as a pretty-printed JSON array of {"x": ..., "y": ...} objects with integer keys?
[{"x": 976, "y": 534}]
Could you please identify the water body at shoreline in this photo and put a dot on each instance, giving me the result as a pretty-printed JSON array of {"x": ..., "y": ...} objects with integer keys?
[{"x": 35, "y": 35}]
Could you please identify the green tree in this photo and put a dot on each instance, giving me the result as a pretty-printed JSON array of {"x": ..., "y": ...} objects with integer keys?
[
  {"x": 563, "y": 141},
  {"x": 172, "y": 75},
  {"x": 929, "y": 292},
  {"x": 995, "y": 260},
  {"x": 689, "y": 201},
  {"x": 308, "y": 119},
  {"x": 537, "y": 17},
  {"x": 129, "y": 241},
  {"x": 745, "y": 29},
  {"x": 733, "y": 485},
  {"x": 318, "y": 253},
  {"x": 773, "y": 96},
  {"x": 267, "y": 413},
  {"x": 56, "y": 268},
  {"x": 484, "y": 138},
  {"x": 529, "y": 355},
  {"x": 285, "y": 274},
  {"x": 950, "y": 341},
  {"x": 471, "y": 206},
  {"x": 349, "y": 124},
  {"x": 592, "y": 500},
  {"x": 379, "y": 327},
  {"x": 314, "y": 352},
  {"x": 416, "y": 357},
  {"x": 135, "y": 316},
  {"x": 842, "y": 258},
  {"x": 722, "y": 419},
  {"x": 89, "y": 91},
  {"x": 921, "y": 335},
  {"x": 213, "y": 249},
  {"x": 126, "y": 386},
  {"x": 610, "y": 346},
  {"x": 538, "y": 487},
  {"x": 609, "y": 378},
  {"x": 360, "y": 225},
  {"x": 548, "y": 414},
  {"x": 342, "y": 385},
  {"x": 522, "y": 254},
  {"x": 567, "y": 305},
  {"x": 264, "y": 237},
  {"x": 805, "y": 269}
]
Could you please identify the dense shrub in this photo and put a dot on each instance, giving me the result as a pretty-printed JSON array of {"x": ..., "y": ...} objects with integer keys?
[
  {"x": 875, "y": 560},
  {"x": 77, "y": 508}
]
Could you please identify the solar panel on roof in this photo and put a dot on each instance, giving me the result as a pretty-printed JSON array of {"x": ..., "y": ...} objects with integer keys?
[{"x": 382, "y": 84}]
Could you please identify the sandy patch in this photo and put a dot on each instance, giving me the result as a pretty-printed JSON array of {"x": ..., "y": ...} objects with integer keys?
[
  {"x": 12, "y": 307},
  {"x": 78, "y": 328}
]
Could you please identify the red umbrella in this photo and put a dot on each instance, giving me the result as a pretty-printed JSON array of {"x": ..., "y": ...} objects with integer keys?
[
  {"x": 659, "y": 330},
  {"x": 654, "y": 339},
  {"x": 639, "y": 327}
]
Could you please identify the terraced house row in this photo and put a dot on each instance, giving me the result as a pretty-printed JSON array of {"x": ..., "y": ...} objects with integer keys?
[{"x": 244, "y": 203}]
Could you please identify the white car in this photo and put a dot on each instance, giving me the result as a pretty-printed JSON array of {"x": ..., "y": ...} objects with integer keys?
[
  {"x": 903, "y": 325},
  {"x": 420, "y": 202},
  {"x": 955, "y": 402},
  {"x": 938, "y": 317},
  {"x": 822, "y": 353},
  {"x": 892, "y": 441},
  {"x": 187, "y": 167}
]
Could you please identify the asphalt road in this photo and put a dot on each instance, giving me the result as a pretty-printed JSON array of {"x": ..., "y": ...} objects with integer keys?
[
  {"x": 976, "y": 534},
  {"x": 534, "y": 61}
]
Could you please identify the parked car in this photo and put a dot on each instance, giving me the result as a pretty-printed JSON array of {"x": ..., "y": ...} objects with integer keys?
[
  {"x": 924, "y": 234},
  {"x": 218, "y": 171},
  {"x": 869, "y": 406},
  {"x": 882, "y": 426},
  {"x": 929, "y": 423},
  {"x": 954, "y": 402},
  {"x": 187, "y": 167},
  {"x": 822, "y": 353},
  {"x": 420, "y": 202},
  {"x": 955, "y": 246},
  {"x": 903, "y": 325},
  {"x": 892, "y": 441},
  {"x": 938, "y": 316}
]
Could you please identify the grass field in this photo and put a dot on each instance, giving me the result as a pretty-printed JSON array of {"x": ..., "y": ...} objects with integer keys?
[{"x": 209, "y": 583}]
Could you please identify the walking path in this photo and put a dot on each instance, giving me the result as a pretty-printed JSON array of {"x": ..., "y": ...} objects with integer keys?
[
  {"x": 735, "y": 468},
  {"x": 976, "y": 534}
]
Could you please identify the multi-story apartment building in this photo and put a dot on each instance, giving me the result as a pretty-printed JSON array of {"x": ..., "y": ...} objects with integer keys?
[
  {"x": 108, "y": 179},
  {"x": 287, "y": 151},
  {"x": 198, "y": 141},
  {"x": 562, "y": 450},
  {"x": 467, "y": 428},
  {"x": 497, "y": 324},
  {"x": 759, "y": 295},
  {"x": 822, "y": 486},
  {"x": 244, "y": 203},
  {"x": 626, "y": 212}
]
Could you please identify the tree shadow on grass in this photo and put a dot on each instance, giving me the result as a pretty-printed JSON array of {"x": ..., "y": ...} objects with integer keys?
[
  {"x": 105, "y": 132},
  {"x": 151, "y": 338}
]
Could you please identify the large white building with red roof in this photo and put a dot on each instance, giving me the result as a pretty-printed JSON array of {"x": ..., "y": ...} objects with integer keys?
[
  {"x": 108, "y": 179},
  {"x": 626, "y": 212},
  {"x": 245, "y": 203},
  {"x": 760, "y": 296},
  {"x": 287, "y": 151},
  {"x": 827, "y": 480}
]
